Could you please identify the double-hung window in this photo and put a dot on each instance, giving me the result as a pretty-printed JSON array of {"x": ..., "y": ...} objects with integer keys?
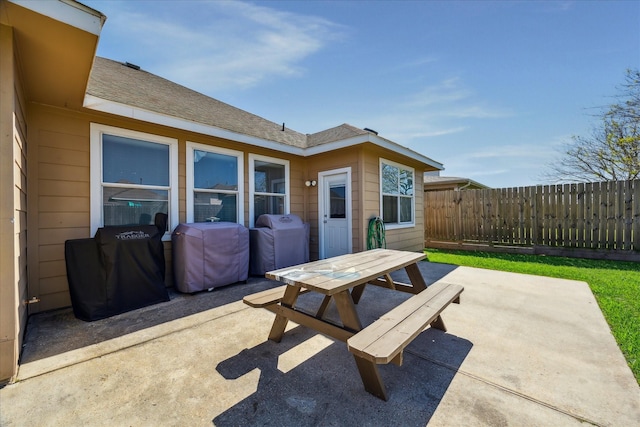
[
  {"x": 133, "y": 176},
  {"x": 214, "y": 184},
  {"x": 268, "y": 186},
  {"x": 397, "y": 194}
]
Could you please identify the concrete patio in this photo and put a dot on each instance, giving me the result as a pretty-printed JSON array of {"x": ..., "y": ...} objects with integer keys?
[{"x": 520, "y": 350}]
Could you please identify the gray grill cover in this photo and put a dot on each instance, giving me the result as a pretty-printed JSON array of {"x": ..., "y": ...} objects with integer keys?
[
  {"x": 278, "y": 241},
  {"x": 209, "y": 254}
]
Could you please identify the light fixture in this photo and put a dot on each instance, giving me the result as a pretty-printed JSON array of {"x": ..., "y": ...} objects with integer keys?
[{"x": 310, "y": 183}]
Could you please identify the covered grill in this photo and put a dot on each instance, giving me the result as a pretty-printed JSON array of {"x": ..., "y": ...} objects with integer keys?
[
  {"x": 207, "y": 255},
  {"x": 121, "y": 269},
  {"x": 278, "y": 241}
]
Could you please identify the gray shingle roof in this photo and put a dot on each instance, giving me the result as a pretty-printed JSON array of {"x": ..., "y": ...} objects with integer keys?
[
  {"x": 116, "y": 82},
  {"x": 337, "y": 133},
  {"x": 123, "y": 85}
]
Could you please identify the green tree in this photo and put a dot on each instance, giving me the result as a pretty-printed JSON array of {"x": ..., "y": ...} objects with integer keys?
[{"x": 612, "y": 151}]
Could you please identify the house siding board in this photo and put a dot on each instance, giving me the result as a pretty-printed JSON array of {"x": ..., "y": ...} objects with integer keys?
[
  {"x": 63, "y": 219},
  {"x": 55, "y": 188},
  {"x": 53, "y": 269},
  {"x": 51, "y": 252}
]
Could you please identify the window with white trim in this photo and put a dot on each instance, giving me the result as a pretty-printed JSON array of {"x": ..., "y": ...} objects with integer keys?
[
  {"x": 268, "y": 186},
  {"x": 134, "y": 175},
  {"x": 397, "y": 195},
  {"x": 215, "y": 178}
]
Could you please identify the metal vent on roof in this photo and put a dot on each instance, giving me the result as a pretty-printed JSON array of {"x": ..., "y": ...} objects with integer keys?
[
  {"x": 130, "y": 65},
  {"x": 371, "y": 130}
]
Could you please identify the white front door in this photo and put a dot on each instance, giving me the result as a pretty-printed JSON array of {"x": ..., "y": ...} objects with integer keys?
[{"x": 334, "y": 204}]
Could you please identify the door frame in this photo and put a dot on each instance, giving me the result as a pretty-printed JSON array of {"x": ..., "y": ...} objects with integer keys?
[{"x": 322, "y": 183}]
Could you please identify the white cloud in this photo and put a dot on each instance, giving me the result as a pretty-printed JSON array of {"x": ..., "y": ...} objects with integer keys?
[
  {"x": 518, "y": 151},
  {"x": 222, "y": 45},
  {"x": 451, "y": 99},
  {"x": 441, "y": 109}
]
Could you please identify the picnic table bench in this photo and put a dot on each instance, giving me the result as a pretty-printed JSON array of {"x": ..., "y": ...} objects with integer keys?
[{"x": 343, "y": 279}]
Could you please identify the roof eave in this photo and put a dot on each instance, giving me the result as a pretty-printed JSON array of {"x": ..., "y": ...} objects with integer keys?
[
  {"x": 374, "y": 139},
  {"x": 111, "y": 107},
  {"x": 98, "y": 104},
  {"x": 68, "y": 12}
]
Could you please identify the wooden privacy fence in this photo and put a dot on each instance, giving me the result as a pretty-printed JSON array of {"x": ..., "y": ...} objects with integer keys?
[{"x": 601, "y": 215}]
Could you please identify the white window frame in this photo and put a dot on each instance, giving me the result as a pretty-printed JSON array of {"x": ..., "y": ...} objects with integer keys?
[
  {"x": 252, "y": 192},
  {"x": 395, "y": 225},
  {"x": 96, "y": 184},
  {"x": 239, "y": 155}
]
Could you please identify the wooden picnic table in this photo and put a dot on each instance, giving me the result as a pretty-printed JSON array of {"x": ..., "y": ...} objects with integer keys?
[{"x": 343, "y": 279}]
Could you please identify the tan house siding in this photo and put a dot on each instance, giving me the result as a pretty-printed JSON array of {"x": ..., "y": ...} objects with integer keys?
[
  {"x": 405, "y": 238},
  {"x": 347, "y": 158},
  {"x": 13, "y": 205},
  {"x": 59, "y": 195},
  {"x": 58, "y": 199}
]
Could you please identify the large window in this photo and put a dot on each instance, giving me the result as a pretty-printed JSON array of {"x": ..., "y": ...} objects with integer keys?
[
  {"x": 268, "y": 186},
  {"x": 133, "y": 177},
  {"x": 214, "y": 184},
  {"x": 396, "y": 188}
]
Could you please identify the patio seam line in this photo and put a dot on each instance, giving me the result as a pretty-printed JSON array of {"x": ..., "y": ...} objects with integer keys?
[
  {"x": 503, "y": 388},
  {"x": 81, "y": 360}
]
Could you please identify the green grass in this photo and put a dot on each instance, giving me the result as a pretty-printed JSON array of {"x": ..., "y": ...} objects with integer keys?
[{"x": 615, "y": 285}]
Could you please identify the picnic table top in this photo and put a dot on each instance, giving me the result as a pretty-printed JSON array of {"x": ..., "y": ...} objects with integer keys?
[{"x": 336, "y": 274}]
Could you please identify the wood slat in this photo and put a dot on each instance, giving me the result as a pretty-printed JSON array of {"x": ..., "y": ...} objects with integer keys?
[
  {"x": 267, "y": 297},
  {"x": 384, "y": 339}
]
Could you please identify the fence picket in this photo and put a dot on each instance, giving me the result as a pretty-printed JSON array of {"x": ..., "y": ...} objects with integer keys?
[{"x": 580, "y": 200}]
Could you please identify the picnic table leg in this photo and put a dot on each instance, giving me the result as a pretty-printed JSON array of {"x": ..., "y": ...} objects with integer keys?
[
  {"x": 413, "y": 271},
  {"x": 438, "y": 323},
  {"x": 356, "y": 293},
  {"x": 368, "y": 370},
  {"x": 347, "y": 311},
  {"x": 371, "y": 378},
  {"x": 323, "y": 306},
  {"x": 280, "y": 322}
]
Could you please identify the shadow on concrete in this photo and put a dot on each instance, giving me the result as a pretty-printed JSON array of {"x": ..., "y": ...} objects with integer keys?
[
  {"x": 324, "y": 388},
  {"x": 59, "y": 331}
]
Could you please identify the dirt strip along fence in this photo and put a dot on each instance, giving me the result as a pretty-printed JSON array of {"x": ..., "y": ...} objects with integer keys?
[{"x": 595, "y": 220}]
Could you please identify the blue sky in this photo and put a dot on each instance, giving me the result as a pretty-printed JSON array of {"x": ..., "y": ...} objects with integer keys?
[{"x": 491, "y": 89}]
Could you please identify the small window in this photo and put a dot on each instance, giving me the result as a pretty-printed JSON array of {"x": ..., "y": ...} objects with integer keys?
[
  {"x": 214, "y": 184},
  {"x": 269, "y": 186},
  {"x": 397, "y": 201},
  {"x": 133, "y": 177}
]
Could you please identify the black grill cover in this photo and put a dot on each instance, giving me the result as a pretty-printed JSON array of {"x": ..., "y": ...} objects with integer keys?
[
  {"x": 122, "y": 269},
  {"x": 87, "y": 280}
]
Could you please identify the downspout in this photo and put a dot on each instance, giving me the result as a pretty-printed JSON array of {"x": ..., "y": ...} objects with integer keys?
[{"x": 464, "y": 186}]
